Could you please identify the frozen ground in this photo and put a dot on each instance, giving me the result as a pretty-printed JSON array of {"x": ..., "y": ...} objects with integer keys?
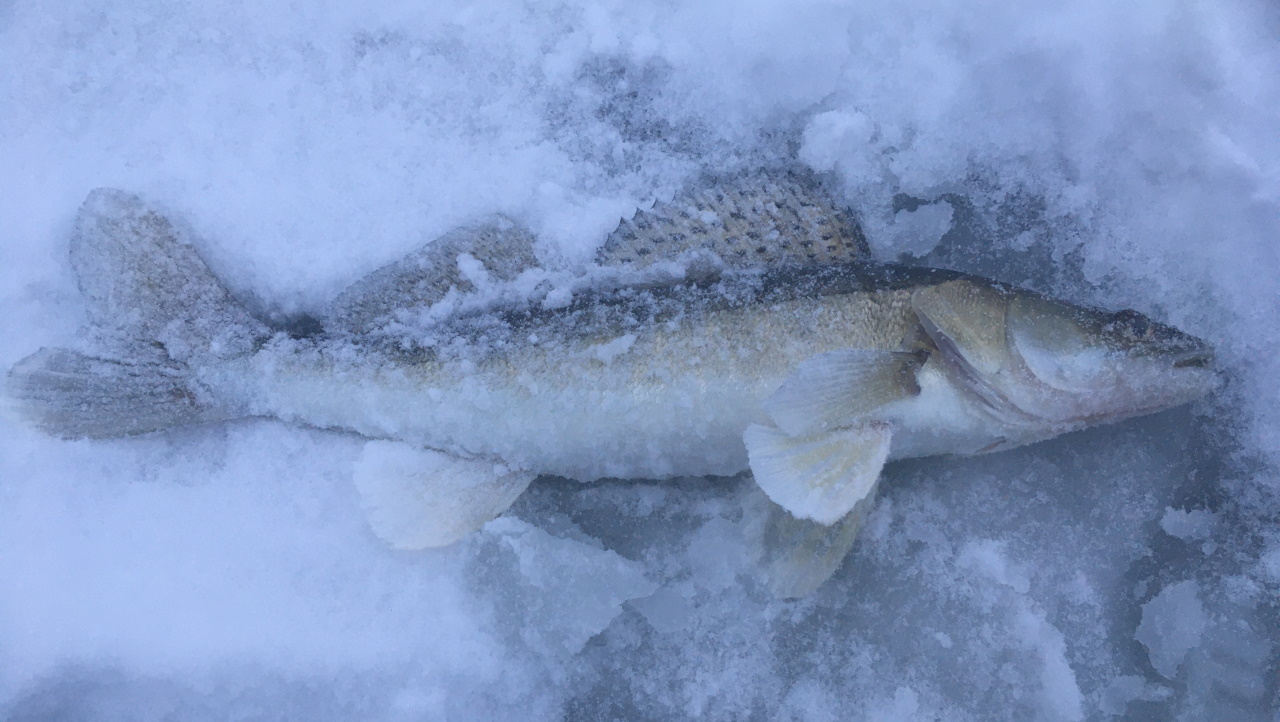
[{"x": 1121, "y": 154}]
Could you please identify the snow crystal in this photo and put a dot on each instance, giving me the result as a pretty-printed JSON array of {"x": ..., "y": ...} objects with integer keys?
[
  {"x": 473, "y": 270},
  {"x": 833, "y": 136},
  {"x": 610, "y": 350}
]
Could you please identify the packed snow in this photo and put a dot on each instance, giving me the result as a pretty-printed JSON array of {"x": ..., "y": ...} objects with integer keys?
[{"x": 1122, "y": 155}]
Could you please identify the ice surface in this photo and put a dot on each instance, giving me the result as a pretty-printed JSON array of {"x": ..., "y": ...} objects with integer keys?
[{"x": 1117, "y": 154}]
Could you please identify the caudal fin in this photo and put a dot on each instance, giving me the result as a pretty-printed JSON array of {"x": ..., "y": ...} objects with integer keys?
[
  {"x": 156, "y": 305},
  {"x": 71, "y": 395}
]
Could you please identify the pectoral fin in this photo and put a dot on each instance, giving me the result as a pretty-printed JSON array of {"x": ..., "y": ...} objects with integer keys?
[
  {"x": 417, "y": 498},
  {"x": 835, "y": 389},
  {"x": 819, "y": 476}
]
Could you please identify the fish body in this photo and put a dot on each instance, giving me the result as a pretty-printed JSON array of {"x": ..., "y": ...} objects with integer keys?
[
  {"x": 787, "y": 355},
  {"x": 630, "y": 383}
]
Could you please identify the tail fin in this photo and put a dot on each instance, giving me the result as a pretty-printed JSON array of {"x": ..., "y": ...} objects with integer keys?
[
  {"x": 71, "y": 395},
  {"x": 155, "y": 304},
  {"x": 145, "y": 285}
]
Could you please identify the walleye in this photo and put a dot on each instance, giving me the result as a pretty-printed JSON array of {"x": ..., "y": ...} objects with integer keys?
[{"x": 739, "y": 327}]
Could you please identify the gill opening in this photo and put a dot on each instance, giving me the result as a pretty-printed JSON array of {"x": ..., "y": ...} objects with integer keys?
[{"x": 965, "y": 376}]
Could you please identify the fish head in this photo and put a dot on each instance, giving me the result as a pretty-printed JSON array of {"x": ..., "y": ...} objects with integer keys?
[{"x": 1039, "y": 361}]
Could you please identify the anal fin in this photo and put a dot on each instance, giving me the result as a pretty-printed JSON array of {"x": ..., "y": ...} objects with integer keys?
[
  {"x": 819, "y": 476},
  {"x": 418, "y": 498}
]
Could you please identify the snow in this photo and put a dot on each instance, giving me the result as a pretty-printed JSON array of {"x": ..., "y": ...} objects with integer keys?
[
  {"x": 606, "y": 352},
  {"x": 1115, "y": 154}
]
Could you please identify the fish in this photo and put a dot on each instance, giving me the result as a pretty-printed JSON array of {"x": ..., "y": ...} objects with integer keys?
[{"x": 740, "y": 327}]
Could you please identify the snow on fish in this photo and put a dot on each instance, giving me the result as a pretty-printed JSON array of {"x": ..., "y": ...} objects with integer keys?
[{"x": 739, "y": 327}]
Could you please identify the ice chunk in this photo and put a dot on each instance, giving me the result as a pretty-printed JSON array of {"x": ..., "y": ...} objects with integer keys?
[
  {"x": 1270, "y": 562},
  {"x": 1172, "y": 624},
  {"x": 667, "y": 609},
  {"x": 1060, "y": 697},
  {"x": 905, "y": 705},
  {"x": 918, "y": 231},
  {"x": 1193, "y": 525},
  {"x": 565, "y": 591},
  {"x": 1127, "y": 688}
]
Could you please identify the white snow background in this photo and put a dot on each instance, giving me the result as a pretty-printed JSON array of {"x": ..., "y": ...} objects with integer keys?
[{"x": 1117, "y": 154}]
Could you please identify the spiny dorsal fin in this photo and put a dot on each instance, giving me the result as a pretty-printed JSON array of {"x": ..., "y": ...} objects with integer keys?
[
  {"x": 750, "y": 220},
  {"x": 424, "y": 277}
]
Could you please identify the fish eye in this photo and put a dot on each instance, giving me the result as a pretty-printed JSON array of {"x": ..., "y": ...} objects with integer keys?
[{"x": 1132, "y": 324}]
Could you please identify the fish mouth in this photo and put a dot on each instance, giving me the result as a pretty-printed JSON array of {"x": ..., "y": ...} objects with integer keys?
[{"x": 1201, "y": 359}]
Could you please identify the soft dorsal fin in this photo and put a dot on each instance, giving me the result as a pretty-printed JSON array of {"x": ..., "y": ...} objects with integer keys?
[
  {"x": 424, "y": 277},
  {"x": 751, "y": 220}
]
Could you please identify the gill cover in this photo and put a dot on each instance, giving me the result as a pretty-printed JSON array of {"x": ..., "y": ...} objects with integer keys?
[
  {"x": 1052, "y": 339},
  {"x": 967, "y": 321},
  {"x": 1031, "y": 359}
]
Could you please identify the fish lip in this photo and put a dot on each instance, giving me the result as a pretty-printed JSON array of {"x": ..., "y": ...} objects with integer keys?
[{"x": 1200, "y": 358}]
